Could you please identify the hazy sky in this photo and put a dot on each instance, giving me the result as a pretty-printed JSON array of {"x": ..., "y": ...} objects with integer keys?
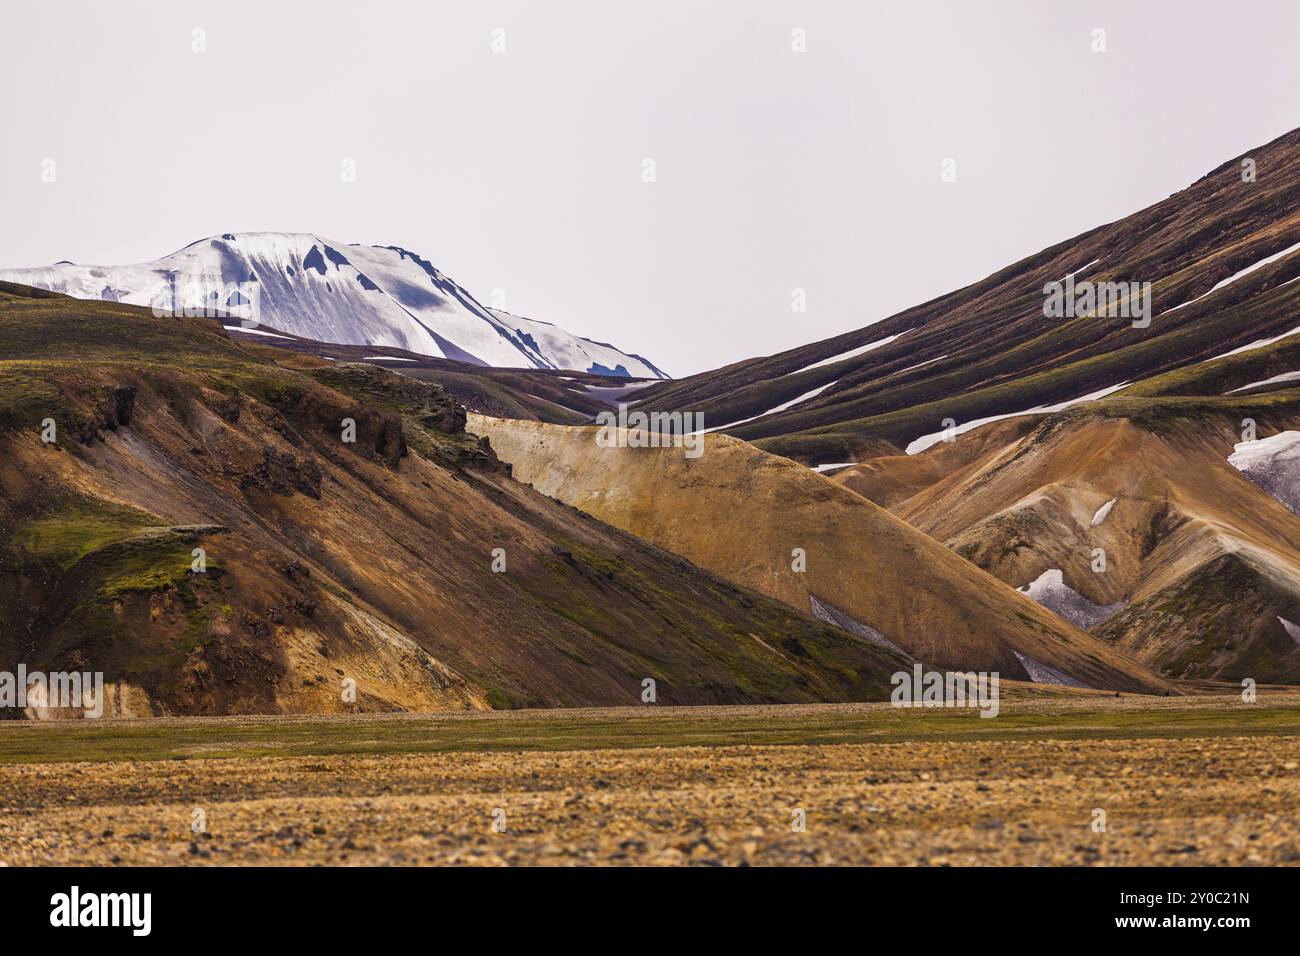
[{"x": 523, "y": 170}]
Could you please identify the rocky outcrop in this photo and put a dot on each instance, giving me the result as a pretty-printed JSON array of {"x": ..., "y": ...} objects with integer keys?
[
  {"x": 283, "y": 473},
  {"x": 111, "y": 410},
  {"x": 430, "y": 404}
]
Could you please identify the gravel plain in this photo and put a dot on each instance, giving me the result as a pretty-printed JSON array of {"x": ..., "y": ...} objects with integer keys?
[{"x": 1163, "y": 800}]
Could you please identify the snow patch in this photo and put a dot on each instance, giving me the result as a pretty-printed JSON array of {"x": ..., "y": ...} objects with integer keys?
[
  {"x": 1258, "y": 344},
  {"x": 812, "y": 393},
  {"x": 240, "y": 328},
  {"x": 1042, "y": 674},
  {"x": 1070, "y": 275},
  {"x": 1238, "y": 275},
  {"x": 851, "y": 353},
  {"x": 1103, "y": 512},
  {"x": 1050, "y": 590},
  {"x": 1275, "y": 380},
  {"x": 779, "y": 408},
  {"x": 925, "y": 441},
  {"x": 1291, "y": 628},
  {"x": 829, "y": 613},
  {"x": 1273, "y": 464},
  {"x": 921, "y": 364}
]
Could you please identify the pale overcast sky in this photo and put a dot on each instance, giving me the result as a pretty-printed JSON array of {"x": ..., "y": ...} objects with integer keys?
[{"x": 522, "y": 170}]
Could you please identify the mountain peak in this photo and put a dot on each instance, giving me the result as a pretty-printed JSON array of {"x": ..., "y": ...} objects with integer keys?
[{"x": 344, "y": 293}]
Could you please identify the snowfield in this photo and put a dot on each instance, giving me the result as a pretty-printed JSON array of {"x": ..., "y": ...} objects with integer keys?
[{"x": 345, "y": 294}]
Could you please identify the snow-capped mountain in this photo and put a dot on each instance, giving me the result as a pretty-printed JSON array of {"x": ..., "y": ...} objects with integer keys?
[{"x": 331, "y": 292}]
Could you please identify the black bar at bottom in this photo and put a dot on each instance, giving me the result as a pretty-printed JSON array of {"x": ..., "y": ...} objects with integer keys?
[{"x": 726, "y": 906}]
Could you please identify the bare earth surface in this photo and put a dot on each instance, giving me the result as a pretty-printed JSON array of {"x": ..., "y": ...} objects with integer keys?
[{"x": 1203, "y": 780}]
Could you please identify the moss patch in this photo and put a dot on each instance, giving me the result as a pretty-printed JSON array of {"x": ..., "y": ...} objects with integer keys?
[{"x": 57, "y": 540}]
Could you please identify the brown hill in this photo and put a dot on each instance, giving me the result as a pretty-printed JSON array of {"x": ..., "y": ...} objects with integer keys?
[
  {"x": 741, "y": 512},
  {"x": 329, "y": 560},
  {"x": 1202, "y": 569}
]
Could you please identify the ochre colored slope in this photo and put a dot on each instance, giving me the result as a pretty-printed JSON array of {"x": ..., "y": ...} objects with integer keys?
[{"x": 741, "y": 512}]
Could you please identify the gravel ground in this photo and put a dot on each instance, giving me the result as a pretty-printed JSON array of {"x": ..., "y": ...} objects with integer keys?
[{"x": 1226, "y": 800}]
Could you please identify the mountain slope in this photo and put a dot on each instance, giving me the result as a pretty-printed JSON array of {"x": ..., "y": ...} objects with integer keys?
[
  {"x": 548, "y": 395},
  {"x": 1222, "y": 256},
  {"x": 741, "y": 512},
  {"x": 1028, "y": 443},
  {"x": 331, "y": 292},
  {"x": 369, "y": 560},
  {"x": 1201, "y": 577}
]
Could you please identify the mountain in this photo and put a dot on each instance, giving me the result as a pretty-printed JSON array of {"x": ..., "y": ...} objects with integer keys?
[
  {"x": 548, "y": 395},
  {"x": 1201, "y": 570},
  {"x": 328, "y": 560},
  {"x": 741, "y": 513},
  {"x": 1222, "y": 257},
  {"x": 318, "y": 289},
  {"x": 1083, "y": 500},
  {"x": 1137, "y": 478}
]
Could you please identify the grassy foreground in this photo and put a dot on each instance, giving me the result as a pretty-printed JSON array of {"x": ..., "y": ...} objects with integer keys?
[
  {"x": 1054, "y": 780},
  {"x": 1026, "y": 716}
]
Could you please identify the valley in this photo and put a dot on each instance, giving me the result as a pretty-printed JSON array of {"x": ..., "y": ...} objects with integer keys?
[
  {"x": 1070, "y": 500},
  {"x": 1189, "y": 780},
  {"x": 759, "y": 436}
]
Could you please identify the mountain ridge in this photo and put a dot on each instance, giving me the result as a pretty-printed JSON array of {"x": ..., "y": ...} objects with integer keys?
[
  {"x": 352, "y": 294},
  {"x": 988, "y": 348}
]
